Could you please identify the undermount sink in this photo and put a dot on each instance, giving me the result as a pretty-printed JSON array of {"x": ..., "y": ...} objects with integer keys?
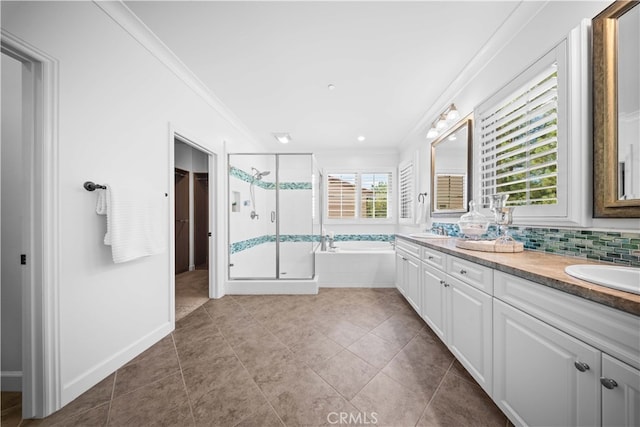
[
  {"x": 429, "y": 236},
  {"x": 621, "y": 278}
]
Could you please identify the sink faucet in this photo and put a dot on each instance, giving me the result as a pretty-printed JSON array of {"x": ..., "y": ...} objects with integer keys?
[
  {"x": 440, "y": 230},
  {"x": 332, "y": 243}
]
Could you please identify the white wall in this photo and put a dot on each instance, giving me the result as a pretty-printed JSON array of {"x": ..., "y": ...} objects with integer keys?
[
  {"x": 116, "y": 104},
  {"x": 543, "y": 31},
  {"x": 12, "y": 190},
  {"x": 361, "y": 159}
]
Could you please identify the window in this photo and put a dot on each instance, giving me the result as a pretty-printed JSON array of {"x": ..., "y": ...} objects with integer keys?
[
  {"x": 405, "y": 189},
  {"x": 533, "y": 138},
  {"x": 519, "y": 143},
  {"x": 359, "y": 195}
]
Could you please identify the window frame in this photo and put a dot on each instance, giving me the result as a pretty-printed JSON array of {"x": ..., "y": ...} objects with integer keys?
[
  {"x": 359, "y": 172},
  {"x": 574, "y": 136}
]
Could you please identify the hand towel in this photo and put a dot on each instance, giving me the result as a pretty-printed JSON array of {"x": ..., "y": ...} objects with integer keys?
[
  {"x": 422, "y": 211},
  {"x": 134, "y": 222}
]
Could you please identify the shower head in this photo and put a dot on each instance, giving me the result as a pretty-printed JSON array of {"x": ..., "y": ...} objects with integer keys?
[{"x": 259, "y": 175}]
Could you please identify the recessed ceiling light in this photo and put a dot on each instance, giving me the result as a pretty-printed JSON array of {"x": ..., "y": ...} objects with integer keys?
[
  {"x": 282, "y": 137},
  {"x": 361, "y": 138},
  {"x": 331, "y": 87}
]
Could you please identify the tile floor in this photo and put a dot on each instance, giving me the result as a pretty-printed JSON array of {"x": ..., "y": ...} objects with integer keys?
[
  {"x": 361, "y": 356},
  {"x": 192, "y": 290}
]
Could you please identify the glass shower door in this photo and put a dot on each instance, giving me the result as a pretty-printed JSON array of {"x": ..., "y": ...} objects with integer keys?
[
  {"x": 252, "y": 216},
  {"x": 295, "y": 219}
]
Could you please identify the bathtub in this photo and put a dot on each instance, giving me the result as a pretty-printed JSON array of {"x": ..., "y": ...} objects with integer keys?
[{"x": 357, "y": 264}]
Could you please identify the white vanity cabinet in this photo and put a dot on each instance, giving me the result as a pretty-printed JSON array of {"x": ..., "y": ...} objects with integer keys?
[
  {"x": 408, "y": 272},
  {"x": 458, "y": 312},
  {"x": 543, "y": 377},
  {"x": 620, "y": 393},
  {"x": 559, "y": 359}
]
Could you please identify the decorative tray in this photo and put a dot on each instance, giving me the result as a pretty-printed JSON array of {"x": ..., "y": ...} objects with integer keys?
[{"x": 490, "y": 246}]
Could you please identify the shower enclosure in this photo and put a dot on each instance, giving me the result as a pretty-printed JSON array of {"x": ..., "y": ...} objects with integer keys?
[{"x": 274, "y": 220}]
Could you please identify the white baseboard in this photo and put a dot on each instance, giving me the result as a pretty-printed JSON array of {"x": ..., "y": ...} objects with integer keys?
[
  {"x": 272, "y": 287},
  {"x": 357, "y": 285},
  {"x": 11, "y": 380},
  {"x": 93, "y": 376}
]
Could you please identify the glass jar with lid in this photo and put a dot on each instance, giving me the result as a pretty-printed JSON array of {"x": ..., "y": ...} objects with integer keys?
[{"x": 473, "y": 224}]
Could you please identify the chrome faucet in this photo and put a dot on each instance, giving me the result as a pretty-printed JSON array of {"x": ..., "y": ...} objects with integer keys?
[
  {"x": 332, "y": 243},
  {"x": 440, "y": 230}
]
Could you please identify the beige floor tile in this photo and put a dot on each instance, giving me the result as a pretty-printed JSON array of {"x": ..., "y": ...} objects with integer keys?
[
  {"x": 145, "y": 371},
  {"x": 341, "y": 331},
  {"x": 164, "y": 402},
  {"x": 374, "y": 350},
  {"x": 204, "y": 377},
  {"x": 346, "y": 373},
  {"x": 398, "y": 328},
  {"x": 315, "y": 349},
  {"x": 96, "y": 417},
  {"x": 461, "y": 403},
  {"x": 264, "y": 416},
  {"x": 392, "y": 404}
]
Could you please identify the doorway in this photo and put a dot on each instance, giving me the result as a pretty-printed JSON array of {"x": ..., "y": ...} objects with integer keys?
[{"x": 192, "y": 227}]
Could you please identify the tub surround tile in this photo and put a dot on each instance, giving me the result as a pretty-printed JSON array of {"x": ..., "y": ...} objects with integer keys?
[
  {"x": 543, "y": 268},
  {"x": 243, "y": 245}
]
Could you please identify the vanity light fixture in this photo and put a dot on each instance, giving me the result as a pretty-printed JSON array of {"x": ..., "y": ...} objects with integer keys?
[
  {"x": 444, "y": 120},
  {"x": 282, "y": 137},
  {"x": 361, "y": 138},
  {"x": 331, "y": 86}
]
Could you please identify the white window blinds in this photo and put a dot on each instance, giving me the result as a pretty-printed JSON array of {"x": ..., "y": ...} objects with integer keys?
[
  {"x": 519, "y": 143},
  {"x": 363, "y": 195},
  {"x": 341, "y": 195},
  {"x": 406, "y": 191}
]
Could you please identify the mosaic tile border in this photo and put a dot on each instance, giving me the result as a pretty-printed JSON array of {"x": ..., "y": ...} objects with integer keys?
[
  {"x": 246, "y": 177},
  {"x": 250, "y": 243},
  {"x": 609, "y": 246}
]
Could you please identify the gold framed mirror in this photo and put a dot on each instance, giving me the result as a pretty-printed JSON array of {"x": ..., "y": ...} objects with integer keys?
[
  {"x": 616, "y": 111},
  {"x": 451, "y": 169}
]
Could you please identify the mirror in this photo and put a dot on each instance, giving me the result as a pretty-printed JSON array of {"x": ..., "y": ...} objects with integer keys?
[
  {"x": 451, "y": 170},
  {"x": 616, "y": 111}
]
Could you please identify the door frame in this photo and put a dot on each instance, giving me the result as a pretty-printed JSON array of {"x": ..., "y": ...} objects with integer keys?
[
  {"x": 215, "y": 285},
  {"x": 41, "y": 380}
]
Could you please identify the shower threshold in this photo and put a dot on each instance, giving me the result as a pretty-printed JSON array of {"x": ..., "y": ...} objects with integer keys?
[{"x": 273, "y": 287}]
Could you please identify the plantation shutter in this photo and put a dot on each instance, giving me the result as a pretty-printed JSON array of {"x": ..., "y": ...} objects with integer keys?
[
  {"x": 341, "y": 195},
  {"x": 375, "y": 195},
  {"x": 406, "y": 191},
  {"x": 519, "y": 143}
]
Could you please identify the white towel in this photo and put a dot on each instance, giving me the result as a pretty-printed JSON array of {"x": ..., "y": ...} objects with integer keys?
[
  {"x": 134, "y": 223},
  {"x": 422, "y": 212}
]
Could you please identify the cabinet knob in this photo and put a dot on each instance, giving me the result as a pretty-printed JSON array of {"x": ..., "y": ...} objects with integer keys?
[
  {"x": 608, "y": 383},
  {"x": 463, "y": 271},
  {"x": 581, "y": 366},
  {"x": 443, "y": 283}
]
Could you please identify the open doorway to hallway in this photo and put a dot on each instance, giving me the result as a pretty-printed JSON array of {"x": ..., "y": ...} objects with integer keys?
[{"x": 192, "y": 236}]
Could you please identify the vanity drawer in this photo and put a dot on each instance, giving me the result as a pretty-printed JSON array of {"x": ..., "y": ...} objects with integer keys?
[
  {"x": 476, "y": 275},
  {"x": 610, "y": 330},
  {"x": 410, "y": 248},
  {"x": 434, "y": 258}
]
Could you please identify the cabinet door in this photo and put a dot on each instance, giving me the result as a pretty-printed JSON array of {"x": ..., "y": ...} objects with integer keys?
[
  {"x": 620, "y": 393},
  {"x": 470, "y": 330},
  {"x": 433, "y": 300},
  {"x": 412, "y": 282},
  {"x": 400, "y": 279},
  {"x": 536, "y": 379}
]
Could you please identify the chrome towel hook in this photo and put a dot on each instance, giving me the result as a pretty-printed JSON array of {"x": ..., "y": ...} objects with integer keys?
[{"x": 422, "y": 197}]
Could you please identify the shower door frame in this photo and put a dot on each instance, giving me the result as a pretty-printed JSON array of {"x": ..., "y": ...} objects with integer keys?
[{"x": 277, "y": 230}]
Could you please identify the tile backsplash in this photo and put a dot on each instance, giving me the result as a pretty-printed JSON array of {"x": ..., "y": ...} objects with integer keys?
[{"x": 609, "y": 246}]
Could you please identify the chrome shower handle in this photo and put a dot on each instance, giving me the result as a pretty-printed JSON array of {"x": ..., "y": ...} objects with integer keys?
[{"x": 273, "y": 216}]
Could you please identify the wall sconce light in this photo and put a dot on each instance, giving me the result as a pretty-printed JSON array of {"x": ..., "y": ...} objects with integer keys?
[{"x": 444, "y": 120}]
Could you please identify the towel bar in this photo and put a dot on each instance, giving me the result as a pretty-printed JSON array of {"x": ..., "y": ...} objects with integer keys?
[{"x": 91, "y": 186}]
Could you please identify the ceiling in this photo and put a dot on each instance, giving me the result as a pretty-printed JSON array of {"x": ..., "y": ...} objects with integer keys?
[{"x": 271, "y": 62}]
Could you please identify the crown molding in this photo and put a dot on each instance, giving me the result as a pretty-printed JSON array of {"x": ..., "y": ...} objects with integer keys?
[
  {"x": 133, "y": 25},
  {"x": 510, "y": 28}
]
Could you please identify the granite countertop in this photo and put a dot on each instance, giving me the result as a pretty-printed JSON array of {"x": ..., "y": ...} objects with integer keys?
[{"x": 546, "y": 269}]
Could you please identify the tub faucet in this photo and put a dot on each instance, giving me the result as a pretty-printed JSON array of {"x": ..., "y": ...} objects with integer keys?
[{"x": 332, "y": 243}]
